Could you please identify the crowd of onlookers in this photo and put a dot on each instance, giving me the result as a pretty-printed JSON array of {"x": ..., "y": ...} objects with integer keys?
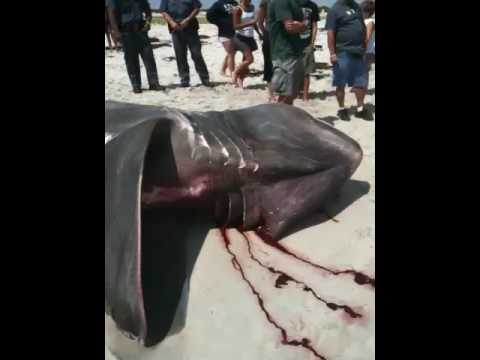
[{"x": 287, "y": 30}]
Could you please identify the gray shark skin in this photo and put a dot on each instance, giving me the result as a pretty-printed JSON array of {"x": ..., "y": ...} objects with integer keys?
[{"x": 263, "y": 168}]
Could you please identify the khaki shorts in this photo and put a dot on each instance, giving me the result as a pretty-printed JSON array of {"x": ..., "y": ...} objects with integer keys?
[
  {"x": 288, "y": 76},
  {"x": 309, "y": 60}
]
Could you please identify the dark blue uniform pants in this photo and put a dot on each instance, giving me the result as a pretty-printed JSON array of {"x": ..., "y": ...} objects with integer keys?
[
  {"x": 182, "y": 40},
  {"x": 136, "y": 44}
]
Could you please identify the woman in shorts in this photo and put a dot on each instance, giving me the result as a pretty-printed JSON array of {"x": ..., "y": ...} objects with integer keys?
[
  {"x": 244, "y": 23},
  {"x": 221, "y": 15}
]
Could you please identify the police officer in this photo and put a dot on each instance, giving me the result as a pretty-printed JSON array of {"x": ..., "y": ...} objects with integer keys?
[
  {"x": 130, "y": 22},
  {"x": 181, "y": 17}
]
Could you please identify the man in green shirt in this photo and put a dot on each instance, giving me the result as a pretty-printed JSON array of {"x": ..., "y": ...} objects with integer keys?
[{"x": 286, "y": 22}]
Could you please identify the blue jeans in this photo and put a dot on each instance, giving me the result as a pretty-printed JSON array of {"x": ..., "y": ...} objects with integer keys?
[{"x": 349, "y": 70}]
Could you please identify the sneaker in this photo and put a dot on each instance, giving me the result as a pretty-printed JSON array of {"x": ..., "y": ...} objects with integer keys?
[
  {"x": 343, "y": 114},
  {"x": 137, "y": 90},
  {"x": 363, "y": 114},
  {"x": 157, "y": 87}
]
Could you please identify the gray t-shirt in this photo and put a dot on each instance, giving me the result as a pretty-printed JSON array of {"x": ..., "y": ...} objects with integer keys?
[{"x": 345, "y": 19}]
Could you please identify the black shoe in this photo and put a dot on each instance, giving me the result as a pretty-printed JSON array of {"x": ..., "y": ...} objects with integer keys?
[
  {"x": 137, "y": 90},
  {"x": 185, "y": 84},
  {"x": 343, "y": 114},
  {"x": 207, "y": 83},
  {"x": 363, "y": 114},
  {"x": 157, "y": 87}
]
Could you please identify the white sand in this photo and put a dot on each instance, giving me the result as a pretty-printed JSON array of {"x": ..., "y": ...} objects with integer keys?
[{"x": 223, "y": 319}]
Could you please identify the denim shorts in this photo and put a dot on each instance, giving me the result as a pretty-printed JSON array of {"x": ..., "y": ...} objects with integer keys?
[{"x": 350, "y": 70}]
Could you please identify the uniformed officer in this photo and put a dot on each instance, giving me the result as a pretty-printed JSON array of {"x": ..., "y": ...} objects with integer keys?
[
  {"x": 181, "y": 16},
  {"x": 130, "y": 22}
]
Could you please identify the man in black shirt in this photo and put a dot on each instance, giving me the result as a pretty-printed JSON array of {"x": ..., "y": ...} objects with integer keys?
[
  {"x": 347, "y": 44},
  {"x": 129, "y": 26},
  {"x": 181, "y": 17}
]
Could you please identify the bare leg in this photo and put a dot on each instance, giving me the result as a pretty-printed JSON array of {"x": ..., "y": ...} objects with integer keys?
[
  {"x": 224, "y": 66},
  {"x": 360, "y": 95},
  {"x": 369, "y": 64},
  {"x": 239, "y": 81},
  {"x": 231, "y": 61},
  {"x": 109, "y": 40},
  {"x": 340, "y": 93},
  {"x": 241, "y": 76},
  {"x": 232, "y": 74},
  {"x": 115, "y": 42},
  {"x": 242, "y": 68},
  {"x": 231, "y": 53},
  {"x": 230, "y": 57},
  {"x": 306, "y": 88},
  {"x": 285, "y": 100},
  {"x": 271, "y": 96}
]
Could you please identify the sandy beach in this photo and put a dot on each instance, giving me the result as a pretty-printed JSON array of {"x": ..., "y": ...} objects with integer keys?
[{"x": 220, "y": 317}]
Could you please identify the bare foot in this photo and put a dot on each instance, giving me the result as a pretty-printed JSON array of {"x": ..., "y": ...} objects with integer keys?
[
  {"x": 237, "y": 80},
  {"x": 234, "y": 78},
  {"x": 240, "y": 83}
]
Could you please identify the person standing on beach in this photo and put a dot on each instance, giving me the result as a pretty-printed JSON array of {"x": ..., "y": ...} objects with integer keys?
[
  {"x": 244, "y": 23},
  {"x": 311, "y": 16},
  {"x": 221, "y": 15},
  {"x": 108, "y": 33},
  {"x": 368, "y": 8},
  {"x": 181, "y": 17},
  {"x": 347, "y": 36},
  {"x": 267, "y": 54},
  {"x": 130, "y": 21},
  {"x": 285, "y": 19}
]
